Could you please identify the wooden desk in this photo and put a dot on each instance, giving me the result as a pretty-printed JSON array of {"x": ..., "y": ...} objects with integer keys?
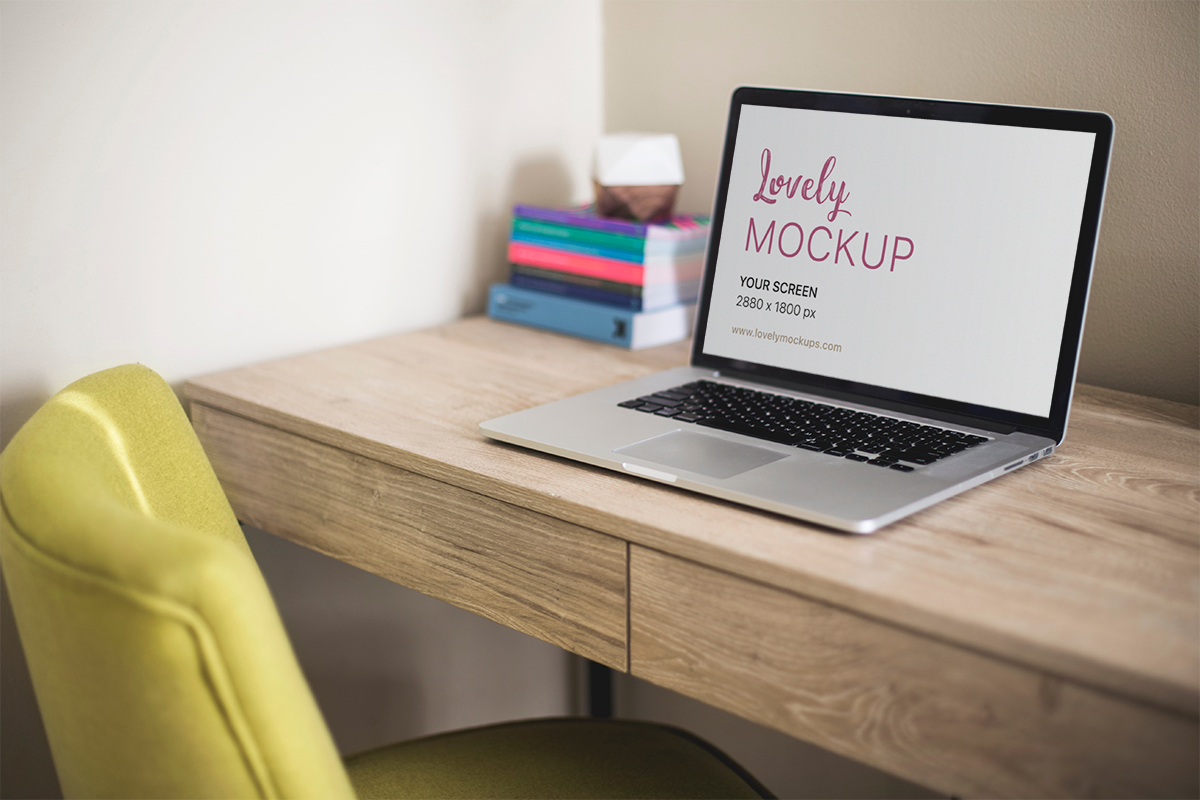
[{"x": 1037, "y": 636}]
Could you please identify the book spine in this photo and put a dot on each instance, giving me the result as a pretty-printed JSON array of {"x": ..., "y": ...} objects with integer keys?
[
  {"x": 642, "y": 298},
  {"x": 587, "y": 293},
  {"x": 605, "y": 245},
  {"x": 566, "y": 217},
  {"x": 606, "y": 268},
  {"x": 561, "y": 314},
  {"x": 612, "y": 287},
  {"x": 589, "y": 320},
  {"x": 580, "y": 248},
  {"x": 666, "y": 271},
  {"x": 679, "y": 227},
  {"x": 555, "y": 232}
]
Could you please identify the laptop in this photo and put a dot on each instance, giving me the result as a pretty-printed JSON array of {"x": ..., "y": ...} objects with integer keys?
[{"x": 891, "y": 311}]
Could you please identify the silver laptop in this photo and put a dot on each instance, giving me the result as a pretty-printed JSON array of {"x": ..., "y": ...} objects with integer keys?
[{"x": 891, "y": 313}]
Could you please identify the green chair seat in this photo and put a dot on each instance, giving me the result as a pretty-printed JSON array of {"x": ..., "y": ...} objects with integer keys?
[
  {"x": 565, "y": 758},
  {"x": 162, "y": 669}
]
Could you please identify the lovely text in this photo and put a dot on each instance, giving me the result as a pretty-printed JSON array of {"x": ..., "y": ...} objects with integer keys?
[{"x": 824, "y": 189}]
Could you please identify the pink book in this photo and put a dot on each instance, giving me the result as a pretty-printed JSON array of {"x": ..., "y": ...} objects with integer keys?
[{"x": 607, "y": 268}]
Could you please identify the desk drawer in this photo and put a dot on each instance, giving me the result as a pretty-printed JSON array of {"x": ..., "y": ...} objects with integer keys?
[
  {"x": 551, "y": 579},
  {"x": 940, "y": 715}
]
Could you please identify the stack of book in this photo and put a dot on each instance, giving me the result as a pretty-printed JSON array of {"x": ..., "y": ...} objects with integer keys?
[{"x": 628, "y": 283}]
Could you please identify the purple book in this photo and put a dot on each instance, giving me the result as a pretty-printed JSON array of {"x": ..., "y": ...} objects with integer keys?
[{"x": 680, "y": 226}]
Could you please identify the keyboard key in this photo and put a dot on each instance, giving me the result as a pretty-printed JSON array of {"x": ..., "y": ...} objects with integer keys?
[
  {"x": 749, "y": 430},
  {"x": 662, "y": 400},
  {"x": 845, "y": 432}
]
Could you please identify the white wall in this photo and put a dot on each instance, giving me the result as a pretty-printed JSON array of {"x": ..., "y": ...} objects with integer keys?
[
  {"x": 201, "y": 185},
  {"x": 197, "y": 186}
]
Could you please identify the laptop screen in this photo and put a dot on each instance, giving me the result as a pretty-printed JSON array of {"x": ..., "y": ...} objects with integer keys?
[{"x": 913, "y": 250}]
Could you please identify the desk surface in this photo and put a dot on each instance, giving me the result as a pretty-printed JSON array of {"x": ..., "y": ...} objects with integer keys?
[{"x": 1081, "y": 571}]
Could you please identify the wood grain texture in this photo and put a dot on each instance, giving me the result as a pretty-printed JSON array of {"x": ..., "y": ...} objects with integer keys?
[
  {"x": 533, "y": 573},
  {"x": 1085, "y": 565},
  {"x": 931, "y": 712}
]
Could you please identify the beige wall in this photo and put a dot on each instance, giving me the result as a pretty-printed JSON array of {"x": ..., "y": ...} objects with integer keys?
[{"x": 670, "y": 66}]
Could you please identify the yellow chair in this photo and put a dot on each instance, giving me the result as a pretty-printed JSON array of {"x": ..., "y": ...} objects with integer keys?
[{"x": 162, "y": 669}]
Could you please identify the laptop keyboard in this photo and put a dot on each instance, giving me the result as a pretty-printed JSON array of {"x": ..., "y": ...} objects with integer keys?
[{"x": 856, "y": 435}]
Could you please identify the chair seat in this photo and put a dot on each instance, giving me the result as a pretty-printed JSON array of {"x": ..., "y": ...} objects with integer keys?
[{"x": 567, "y": 757}]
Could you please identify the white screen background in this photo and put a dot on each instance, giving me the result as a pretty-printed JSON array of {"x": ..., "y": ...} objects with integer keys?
[{"x": 974, "y": 315}]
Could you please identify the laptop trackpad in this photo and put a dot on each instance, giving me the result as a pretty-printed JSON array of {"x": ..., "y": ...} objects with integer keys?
[{"x": 697, "y": 452}]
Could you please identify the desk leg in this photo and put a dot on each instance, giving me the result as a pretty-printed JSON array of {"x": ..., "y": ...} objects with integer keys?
[{"x": 599, "y": 691}]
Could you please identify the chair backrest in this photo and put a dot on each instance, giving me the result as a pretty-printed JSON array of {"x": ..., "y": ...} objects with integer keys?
[{"x": 159, "y": 661}]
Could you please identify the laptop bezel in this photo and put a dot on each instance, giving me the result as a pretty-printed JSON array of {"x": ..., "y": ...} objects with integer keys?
[{"x": 955, "y": 412}]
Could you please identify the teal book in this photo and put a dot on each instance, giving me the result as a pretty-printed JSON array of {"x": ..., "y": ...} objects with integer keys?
[
  {"x": 604, "y": 244},
  {"x": 596, "y": 321},
  {"x": 680, "y": 226}
]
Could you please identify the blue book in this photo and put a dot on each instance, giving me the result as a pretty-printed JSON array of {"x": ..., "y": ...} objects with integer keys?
[{"x": 601, "y": 323}]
